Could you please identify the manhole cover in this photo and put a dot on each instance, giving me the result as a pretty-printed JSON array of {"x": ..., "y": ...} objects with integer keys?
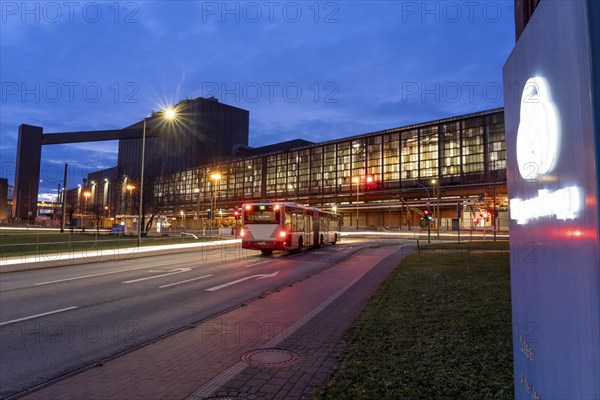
[{"x": 269, "y": 358}]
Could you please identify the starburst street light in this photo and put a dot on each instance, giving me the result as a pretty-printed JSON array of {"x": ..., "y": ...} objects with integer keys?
[{"x": 169, "y": 114}]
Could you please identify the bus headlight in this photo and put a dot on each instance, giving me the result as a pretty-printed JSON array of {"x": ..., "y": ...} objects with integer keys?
[
  {"x": 282, "y": 234},
  {"x": 242, "y": 232}
]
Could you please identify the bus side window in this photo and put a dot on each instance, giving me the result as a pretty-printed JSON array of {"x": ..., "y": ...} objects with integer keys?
[{"x": 288, "y": 220}]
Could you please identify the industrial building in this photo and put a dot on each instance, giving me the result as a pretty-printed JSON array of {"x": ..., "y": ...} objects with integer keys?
[
  {"x": 199, "y": 168},
  {"x": 455, "y": 166}
]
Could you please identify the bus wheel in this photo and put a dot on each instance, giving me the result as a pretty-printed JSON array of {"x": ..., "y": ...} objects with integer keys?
[
  {"x": 321, "y": 240},
  {"x": 266, "y": 252},
  {"x": 300, "y": 244},
  {"x": 334, "y": 239}
]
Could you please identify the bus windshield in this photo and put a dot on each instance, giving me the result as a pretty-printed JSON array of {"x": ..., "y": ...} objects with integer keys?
[{"x": 261, "y": 215}]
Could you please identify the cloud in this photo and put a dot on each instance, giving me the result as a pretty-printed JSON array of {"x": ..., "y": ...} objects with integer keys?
[{"x": 361, "y": 67}]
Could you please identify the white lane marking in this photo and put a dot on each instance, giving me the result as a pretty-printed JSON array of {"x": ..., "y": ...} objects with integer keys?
[
  {"x": 172, "y": 272},
  {"x": 187, "y": 280},
  {"x": 37, "y": 315},
  {"x": 258, "y": 263},
  {"x": 262, "y": 276},
  {"x": 87, "y": 276}
]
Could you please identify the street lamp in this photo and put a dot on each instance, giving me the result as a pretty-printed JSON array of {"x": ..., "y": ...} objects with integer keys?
[
  {"x": 216, "y": 178},
  {"x": 436, "y": 194},
  {"x": 106, "y": 197},
  {"x": 87, "y": 195},
  {"x": 168, "y": 114},
  {"x": 356, "y": 181},
  {"x": 130, "y": 188},
  {"x": 494, "y": 198},
  {"x": 197, "y": 216},
  {"x": 79, "y": 203}
]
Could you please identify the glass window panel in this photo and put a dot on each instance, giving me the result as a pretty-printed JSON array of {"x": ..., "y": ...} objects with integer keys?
[
  {"x": 409, "y": 154},
  {"x": 358, "y": 157},
  {"x": 429, "y": 152}
]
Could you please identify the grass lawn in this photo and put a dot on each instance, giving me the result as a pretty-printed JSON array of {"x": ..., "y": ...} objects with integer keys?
[
  {"x": 17, "y": 243},
  {"x": 438, "y": 328}
]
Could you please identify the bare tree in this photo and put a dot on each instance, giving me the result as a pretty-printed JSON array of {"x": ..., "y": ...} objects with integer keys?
[
  {"x": 71, "y": 208},
  {"x": 97, "y": 212},
  {"x": 152, "y": 206}
]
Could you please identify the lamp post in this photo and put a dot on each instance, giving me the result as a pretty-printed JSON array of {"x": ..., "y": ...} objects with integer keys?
[
  {"x": 428, "y": 211},
  {"x": 64, "y": 200},
  {"x": 106, "y": 198},
  {"x": 437, "y": 195},
  {"x": 140, "y": 211},
  {"x": 494, "y": 198},
  {"x": 216, "y": 178},
  {"x": 168, "y": 114},
  {"x": 78, "y": 205},
  {"x": 129, "y": 188},
  {"x": 356, "y": 181},
  {"x": 87, "y": 195},
  {"x": 197, "y": 216}
]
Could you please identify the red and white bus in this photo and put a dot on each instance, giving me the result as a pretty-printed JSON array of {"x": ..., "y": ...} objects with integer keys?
[{"x": 268, "y": 226}]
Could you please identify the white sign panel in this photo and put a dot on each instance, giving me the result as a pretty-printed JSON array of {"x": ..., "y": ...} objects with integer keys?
[{"x": 552, "y": 165}]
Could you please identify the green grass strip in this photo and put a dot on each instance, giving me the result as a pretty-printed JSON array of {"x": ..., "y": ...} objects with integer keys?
[{"x": 438, "y": 328}]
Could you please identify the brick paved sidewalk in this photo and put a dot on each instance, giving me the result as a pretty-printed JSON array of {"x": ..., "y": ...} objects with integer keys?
[{"x": 307, "y": 319}]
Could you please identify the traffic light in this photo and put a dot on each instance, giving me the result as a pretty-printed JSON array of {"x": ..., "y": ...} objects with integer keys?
[
  {"x": 370, "y": 182},
  {"x": 427, "y": 215}
]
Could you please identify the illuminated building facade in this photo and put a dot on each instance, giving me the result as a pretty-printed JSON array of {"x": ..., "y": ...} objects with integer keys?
[{"x": 388, "y": 174}]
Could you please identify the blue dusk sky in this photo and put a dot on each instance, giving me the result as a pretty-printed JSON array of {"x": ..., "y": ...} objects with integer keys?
[{"x": 304, "y": 69}]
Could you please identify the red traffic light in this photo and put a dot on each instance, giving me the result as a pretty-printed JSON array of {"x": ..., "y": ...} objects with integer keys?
[{"x": 369, "y": 179}]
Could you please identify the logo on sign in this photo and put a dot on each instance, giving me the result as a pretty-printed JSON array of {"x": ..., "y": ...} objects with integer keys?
[
  {"x": 538, "y": 137},
  {"x": 538, "y": 140}
]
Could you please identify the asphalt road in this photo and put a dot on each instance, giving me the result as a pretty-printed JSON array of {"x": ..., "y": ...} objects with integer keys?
[{"x": 56, "y": 321}]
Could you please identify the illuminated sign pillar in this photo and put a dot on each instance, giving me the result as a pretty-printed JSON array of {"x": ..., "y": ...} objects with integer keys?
[{"x": 552, "y": 120}]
